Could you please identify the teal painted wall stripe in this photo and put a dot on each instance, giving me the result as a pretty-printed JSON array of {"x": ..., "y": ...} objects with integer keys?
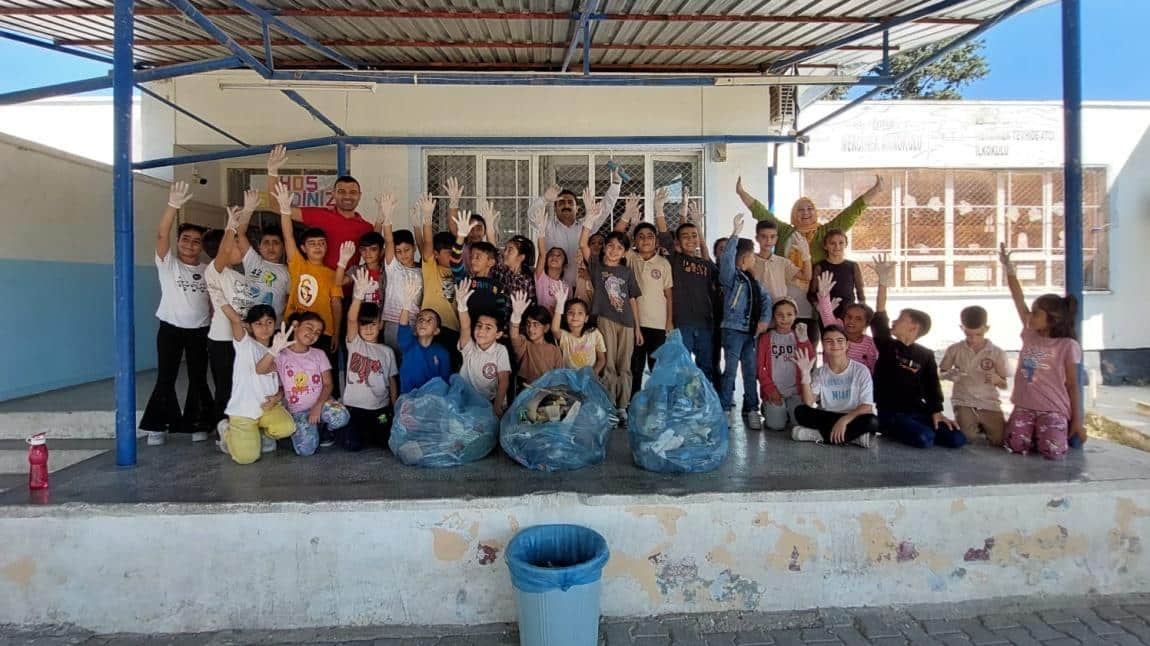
[{"x": 57, "y": 320}]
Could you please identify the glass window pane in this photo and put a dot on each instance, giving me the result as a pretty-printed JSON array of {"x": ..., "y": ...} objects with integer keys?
[{"x": 676, "y": 176}]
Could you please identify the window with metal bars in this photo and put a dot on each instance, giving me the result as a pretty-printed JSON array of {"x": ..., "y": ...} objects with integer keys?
[
  {"x": 943, "y": 227},
  {"x": 510, "y": 179}
]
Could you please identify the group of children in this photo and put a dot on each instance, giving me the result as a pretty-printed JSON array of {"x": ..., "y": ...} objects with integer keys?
[{"x": 501, "y": 316}]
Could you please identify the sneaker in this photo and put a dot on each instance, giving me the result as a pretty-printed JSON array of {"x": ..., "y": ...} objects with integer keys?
[
  {"x": 804, "y": 434},
  {"x": 734, "y": 419},
  {"x": 622, "y": 415},
  {"x": 157, "y": 438},
  {"x": 267, "y": 444},
  {"x": 754, "y": 422},
  {"x": 222, "y": 445},
  {"x": 200, "y": 436},
  {"x": 865, "y": 440},
  {"x": 326, "y": 438}
]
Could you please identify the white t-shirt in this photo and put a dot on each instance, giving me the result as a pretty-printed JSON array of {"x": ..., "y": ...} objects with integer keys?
[
  {"x": 370, "y": 367},
  {"x": 231, "y": 287},
  {"x": 249, "y": 390},
  {"x": 845, "y": 391},
  {"x": 783, "y": 372},
  {"x": 398, "y": 278},
  {"x": 481, "y": 368},
  {"x": 271, "y": 279},
  {"x": 183, "y": 293}
]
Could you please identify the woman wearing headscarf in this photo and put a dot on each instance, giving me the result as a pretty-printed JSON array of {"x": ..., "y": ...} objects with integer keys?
[{"x": 803, "y": 236}]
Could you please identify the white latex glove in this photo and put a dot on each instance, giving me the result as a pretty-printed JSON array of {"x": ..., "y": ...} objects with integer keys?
[
  {"x": 519, "y": 304},
  {"x": 826, "y": 284},
  {"x": 276, "y": 159},
  {"x": 361, "y": 283},
  {"x": 282, "y": 339},
  {"x": 178, "y": 195},
  {"x": 462, "y": 222},
  {"x": 805, "y": 364},
  {"x": 346, "y": 251},
  {"x": 884, "y": 267},
  {"x": 737, "y": 225},
  {"x": 386, "y": 204},
  {"x": 283, "y": 197},
  {"x": 463, "y": 293},
  {"x": 453, "y": 191}
]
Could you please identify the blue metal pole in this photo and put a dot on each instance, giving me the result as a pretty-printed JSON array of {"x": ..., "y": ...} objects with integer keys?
[
  {"x": 190, "y": 115},
  {"x": 341, "y": 158},
  {"x": 269, "y": 18},
  {"x": 772, "y": 170},
  {"x": 123, "y": 268},
  {"x": 954, "y": 44},
  {"x": 886, "y": 53},
  {"x": 269, "y": 58},
  {"x": 36, "y": 42},
  {"x": 105, "y": 82},
  {"x": 589, "y": 7},
  {"x": 587, "y": 49},
  {"x": 220, "y": 36},
  {"x": 313, "y": 111},
  {"x": 1072, "y": 163},
  {"x": 520, "y": 142},
  {"x": 863, "y": 33}
]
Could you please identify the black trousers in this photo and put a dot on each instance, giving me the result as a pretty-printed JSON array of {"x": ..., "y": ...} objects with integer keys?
[
  {"x": 366, "y": 428},
  {"x": 324, "y": 344},
  {"x": 163, "y": 410},
  {"x": 221, "y": 360},
  {"x": 823, "y": 421},
  {"x": 653, "y": 339}
]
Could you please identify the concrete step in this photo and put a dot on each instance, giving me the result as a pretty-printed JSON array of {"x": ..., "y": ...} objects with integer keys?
[{"x": 91, "y": 424}]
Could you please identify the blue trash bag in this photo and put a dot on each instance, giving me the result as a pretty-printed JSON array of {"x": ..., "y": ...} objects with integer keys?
[
  {"x": 675, "y": 423},
  {"x": 555, "y": 557},
  {"x": 559, "y": 423},
  {"x": 437, "y": 425}
]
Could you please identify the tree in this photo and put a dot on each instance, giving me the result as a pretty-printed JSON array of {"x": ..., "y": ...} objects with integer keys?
[{"x": 942, "y": 79}]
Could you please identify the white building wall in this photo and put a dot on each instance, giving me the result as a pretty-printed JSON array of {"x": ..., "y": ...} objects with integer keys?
[{"x": 77, "y": 125}]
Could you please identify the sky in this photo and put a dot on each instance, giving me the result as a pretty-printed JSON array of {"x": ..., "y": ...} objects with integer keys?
[{"x": 1024, "y": 54}]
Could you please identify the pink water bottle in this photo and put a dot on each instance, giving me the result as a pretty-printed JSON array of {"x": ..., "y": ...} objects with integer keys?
[{"x": 37, "y": 462}]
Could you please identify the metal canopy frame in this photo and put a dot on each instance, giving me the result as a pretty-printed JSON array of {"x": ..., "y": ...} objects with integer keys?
[{"x": 126, "y": 75}]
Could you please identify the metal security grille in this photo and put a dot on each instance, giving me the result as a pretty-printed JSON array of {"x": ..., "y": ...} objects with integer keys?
[
  {"x": 510, "y": 179},
  {"x": 943, "y": 227}
]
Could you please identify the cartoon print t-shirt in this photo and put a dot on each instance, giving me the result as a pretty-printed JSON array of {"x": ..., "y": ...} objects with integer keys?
[
  {"x": 183, "y": 293},
  {"x": 302, "y": 377},
  {"x": 614, "y": 287},
  {"x": 1040, "y": 380},
  {"x": 270, "y": 278}
]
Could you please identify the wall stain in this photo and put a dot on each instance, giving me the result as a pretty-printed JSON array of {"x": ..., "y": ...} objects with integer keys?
[
  {"x": 1046, "y": 544},
  {"x": 448, "y": 545},
  {"x": 20, "y": 571},
  {"x": 1122, "y": 539},
  {"x": 487, "y": 554},
  {"x": 1059, "y": 503},
  {"x": 979, "y": 554},
  {"x": 957, "y": 506},
  {"x": 792, "y": 549},
  {"x": 729, "y": 586},
  {"x": 906, "y": 552},
  {"x": 641, "y": 570},
  {"x": 721, "y": 556},
  {"x": 668, "y": 517},
  {"x": 877, "y": 537}
]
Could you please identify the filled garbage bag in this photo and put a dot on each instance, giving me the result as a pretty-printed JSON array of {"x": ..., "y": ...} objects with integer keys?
[
  {"x": 559, "y": 423},
  {"x": 675, "y": 423},
  {"x": 441, "y": 425}
]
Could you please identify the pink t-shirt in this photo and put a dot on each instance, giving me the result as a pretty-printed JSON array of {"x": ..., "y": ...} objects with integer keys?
[
  {"x": 545, "y": 287},
  {"x": 1040, "y": 381},
  {"x": 302, "y": 377}
]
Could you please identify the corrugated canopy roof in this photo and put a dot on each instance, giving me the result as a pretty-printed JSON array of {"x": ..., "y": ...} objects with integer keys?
[{"x": 636, "y": 36}]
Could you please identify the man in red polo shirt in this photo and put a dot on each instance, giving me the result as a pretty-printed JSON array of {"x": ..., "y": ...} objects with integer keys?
[{"x": 341, "y": 223}]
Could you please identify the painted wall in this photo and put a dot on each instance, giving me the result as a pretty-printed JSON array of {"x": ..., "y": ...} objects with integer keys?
[
  {"x": 442, "y": 562},
  {"x": 56, "y": 271}
]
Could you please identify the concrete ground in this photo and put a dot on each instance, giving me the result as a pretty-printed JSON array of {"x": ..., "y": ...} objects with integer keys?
[{"x": 1097, "y": 621}]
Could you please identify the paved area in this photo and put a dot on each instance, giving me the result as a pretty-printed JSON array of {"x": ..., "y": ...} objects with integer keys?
[{"x": 1099, "y": 621}]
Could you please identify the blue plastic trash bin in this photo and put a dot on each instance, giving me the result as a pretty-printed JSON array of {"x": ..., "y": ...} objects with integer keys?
[{"x": 556, "y": 571}]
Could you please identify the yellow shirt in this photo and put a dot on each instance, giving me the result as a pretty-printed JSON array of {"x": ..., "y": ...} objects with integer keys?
[
  {"x": 312, "y": 288},
  {"x": 439, "y": 293}
]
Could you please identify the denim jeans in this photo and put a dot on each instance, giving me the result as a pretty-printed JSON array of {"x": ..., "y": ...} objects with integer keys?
[
  {"x": 916, "y": 429},
  {"x": 700, "y": 341},
  {"x": 739, "y": 349}
]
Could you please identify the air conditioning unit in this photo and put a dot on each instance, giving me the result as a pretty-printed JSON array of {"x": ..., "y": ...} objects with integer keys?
[{"x": 783, "y": 108}]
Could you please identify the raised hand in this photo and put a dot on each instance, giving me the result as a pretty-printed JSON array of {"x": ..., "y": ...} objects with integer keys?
[
  {"x": 282, "y": 339},
  {"x": 251, "y": 201},
  {"x": 801, "y": 331},
  {"x": 804, "y": 362},
  {"x": 463, "y": 293},
  {"x": 235, "y": 218},
  {"x": 283, "y": 197},
  {"x": 426, "y": 205},
  {"x": 361, "y": 280},
  {"x": 551, "y": 193},
  {"x": 178, "y": 195},
  {"x": 884, "y": 267},
  {"x": 411, "y": 293},
  {"x": 660, "y": 199},
  {"x": 490, "y": 215},
  {"x": 276, "y": 159},
  {"x": 737, "y": 224},
  {"x": 519, "y": 305},
  {"x": 739, "y": 186},
  {"x": 1004, "y": 258},
  {"x": 386, "y": 204},
  {"x": 346, "y": 251},
  {"x": 561, "y": 291},
  {"x": 593, "y": 209},
  {"x": 462, "y": 222},
  {"x": 800, "y": 244},
  {"x": 631, "y": 208},
  {"x": 826, "y": 284},
  {"x": 453, "y": 191},
  {"x": 694, "y": 214}
]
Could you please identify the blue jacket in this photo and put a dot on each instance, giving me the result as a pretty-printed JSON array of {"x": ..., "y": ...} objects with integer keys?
[{"x": 740, "y": 290}]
